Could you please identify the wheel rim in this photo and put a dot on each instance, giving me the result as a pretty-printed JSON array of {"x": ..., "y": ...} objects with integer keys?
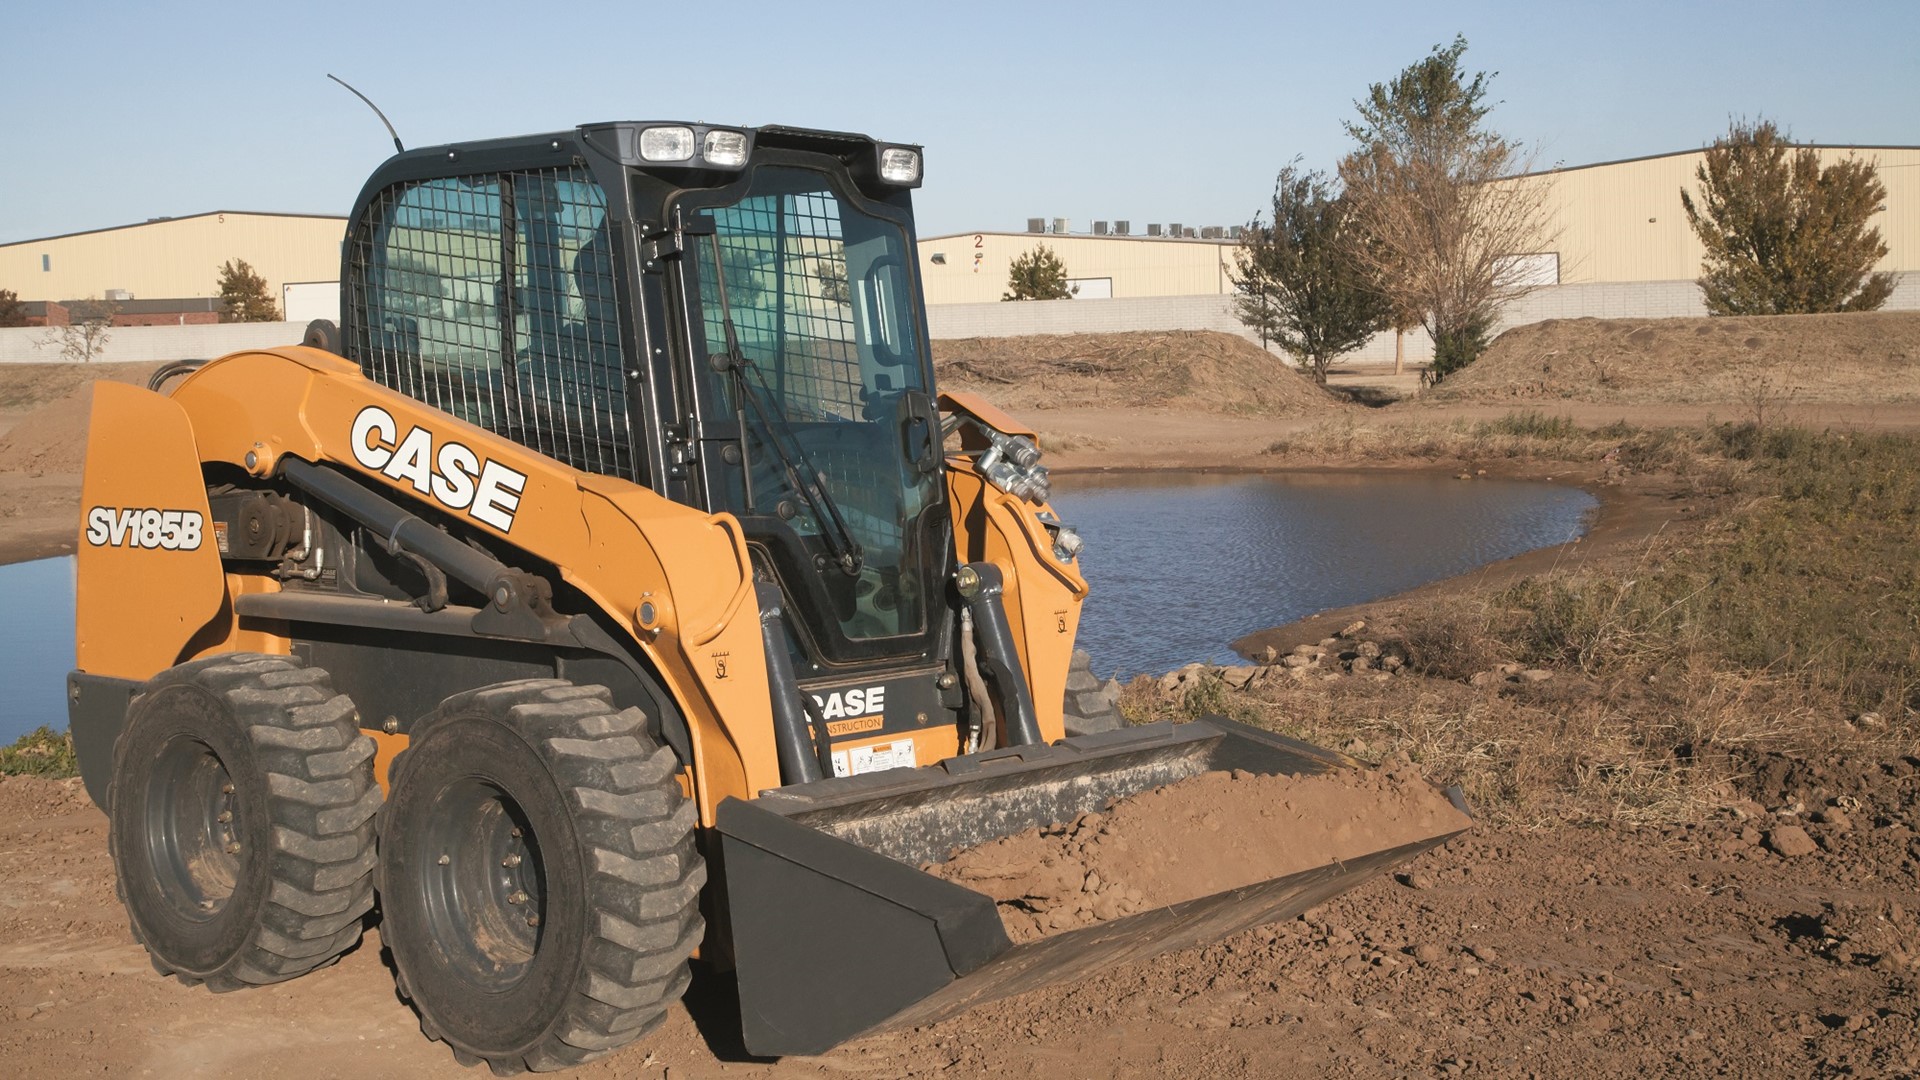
[
  {"x": 481, "y": 884},
  {"x": 193, "y": 841}
]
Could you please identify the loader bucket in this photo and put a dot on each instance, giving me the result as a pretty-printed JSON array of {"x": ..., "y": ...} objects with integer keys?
[{"x": 837, "y": 931}]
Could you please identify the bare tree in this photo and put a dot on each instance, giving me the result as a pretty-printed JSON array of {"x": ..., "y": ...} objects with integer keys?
[
  {"x": 1434, "y": 190},
  {"x": 89, "y": 325}
]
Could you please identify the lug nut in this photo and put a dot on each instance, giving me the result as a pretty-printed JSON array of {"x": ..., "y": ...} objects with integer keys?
[
  {"x": 516, "y": 897},
  {"x": 206, "y": 905},
  {"x": 226, "y": 789},
  {"x": 533, "y": 920},
  {"x": 515, "y": 831},
  {"x": 225, "y": 815},
  {"x": 233, "y": 849},
  {"x": 511, "y": 860},
  {"x": 444, "y": 859}
]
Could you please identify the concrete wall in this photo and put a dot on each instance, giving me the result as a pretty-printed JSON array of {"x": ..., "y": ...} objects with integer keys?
[
  {"x": 1604, "y": 300},
  {"x": 133, "y": 344}
]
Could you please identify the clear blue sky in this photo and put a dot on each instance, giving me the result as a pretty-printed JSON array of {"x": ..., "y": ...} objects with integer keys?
[{"x": 117, "y": 112}]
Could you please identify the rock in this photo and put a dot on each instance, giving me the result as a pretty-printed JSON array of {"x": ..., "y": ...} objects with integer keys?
[
  {"x": 1329, "y": 642},
  {"x": 1510, "y": 670},
  {"x": 1484, "y": 678},
  {"x": 1299, "y": 674},
  {"x": 1484, "y": 953},
  {"x": 1307, "y": 650},
  {"x": 1791, "y": 841},
  {"x": 1081, "y": 680},
  {"x": 1390, "y": 662},
  {"x": 1359, "y": 664},
  {"x": 1414, "y": 879},
  {"x": 1835, "y": 817},
  {"x": 1269, "y": 654},
  {"x": 1297, "y": 660},
  {"x": 1353, "y": 628},
  {"x": 1535, "y": 675},
  {"x": 1368, "y": 649},
  {"x": 1870, "y": 719},
  {"x": 1429, "y": 953},
  {"x": 1238, "y": 677}
]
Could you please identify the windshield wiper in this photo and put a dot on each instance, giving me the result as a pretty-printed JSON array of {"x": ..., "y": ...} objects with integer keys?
[{"x": 806, "y": 480}]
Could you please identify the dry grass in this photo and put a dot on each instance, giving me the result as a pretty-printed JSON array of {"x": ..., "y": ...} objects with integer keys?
[{"x": 1790, "y": 621}]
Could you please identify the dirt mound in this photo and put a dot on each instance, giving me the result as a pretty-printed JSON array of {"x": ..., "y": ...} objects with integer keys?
[
  {"x": 28, "y": 386},
  {"x": 1194, "y": 369},
  {"x": 1207, "y": 834},
  {"x": 51, "y": 438},
  {"x": 1752, "y": 362}
]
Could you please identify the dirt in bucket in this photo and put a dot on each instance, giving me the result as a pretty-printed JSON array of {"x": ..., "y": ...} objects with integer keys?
[{"x": 1193, "y": 838}]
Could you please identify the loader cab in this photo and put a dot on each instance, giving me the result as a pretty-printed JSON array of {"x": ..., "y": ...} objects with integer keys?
[{"x": 729, "y": 316}]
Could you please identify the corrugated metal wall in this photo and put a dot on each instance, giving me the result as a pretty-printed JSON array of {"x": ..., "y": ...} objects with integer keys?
[
  {"x": 176, "y": 258},
  {"x": 1623, "y": 221},
  {"x": 976, "y": 265}
]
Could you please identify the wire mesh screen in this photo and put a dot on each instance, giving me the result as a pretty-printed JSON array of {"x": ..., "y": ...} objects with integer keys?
[
  {"x": 493, "y": 298},
  {"x": 786, "y": 269}
]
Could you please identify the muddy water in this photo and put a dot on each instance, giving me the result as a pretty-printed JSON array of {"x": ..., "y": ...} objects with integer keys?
[
  {"x": 1182, "y": 564},
  {"x": 36, "y": 646}
]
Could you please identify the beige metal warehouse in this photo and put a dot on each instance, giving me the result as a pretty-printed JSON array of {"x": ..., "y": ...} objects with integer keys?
[
  {"x": 174, "y": 257},
  {"x": 1613, "y": 222}
]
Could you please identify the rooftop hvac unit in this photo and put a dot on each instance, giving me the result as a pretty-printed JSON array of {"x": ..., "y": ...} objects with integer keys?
[
  {"x": 1036, "y": 225},
  {"x": 1122, "y": 228},
  {"x": 1060, "y": 226},
  {"x": 1173, "y": 230},
  {"x": 1210, "y": 232},
  {"x": 1153, "y": 230},
  {"x": 1099, "y": 228},
  {"x": 1237, "y": 231},
  {"x": 1189, "y": 233}
]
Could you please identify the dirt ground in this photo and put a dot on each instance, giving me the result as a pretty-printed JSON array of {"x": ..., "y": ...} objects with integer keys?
[
  {"x": 1778, "y": 936},
  {"x": 1687, "y": 950}
]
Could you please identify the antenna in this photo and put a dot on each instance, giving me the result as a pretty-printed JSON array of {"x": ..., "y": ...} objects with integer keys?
[{"x": 376, "y": 111}]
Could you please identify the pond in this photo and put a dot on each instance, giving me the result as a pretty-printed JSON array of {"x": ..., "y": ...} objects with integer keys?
[
  {"x": 36, "y": 646},
  {"x": 1181, "y": 564}
]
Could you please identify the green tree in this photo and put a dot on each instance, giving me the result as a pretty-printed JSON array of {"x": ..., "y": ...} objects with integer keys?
[
  {"x": 1299, "y": 280},
  {"x": 1783, "y": 235},
  {"x": 12, "y": 311},
  {"x": 1038, "y": 275},
  {"x": 243, "y": 294},
  {"x": 1425, "y": 186}
]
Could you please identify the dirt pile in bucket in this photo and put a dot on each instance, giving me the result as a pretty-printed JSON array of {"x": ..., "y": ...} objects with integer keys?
[{"x": 1202, "y": 835}]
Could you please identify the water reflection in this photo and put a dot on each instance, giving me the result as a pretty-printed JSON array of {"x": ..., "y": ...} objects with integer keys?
[
  {"x": 36, "y": 646},
  {"x": 1182, "y": 564}
]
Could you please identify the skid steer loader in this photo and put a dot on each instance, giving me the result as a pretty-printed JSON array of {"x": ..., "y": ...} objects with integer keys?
[{"x": 613, "y": 587}]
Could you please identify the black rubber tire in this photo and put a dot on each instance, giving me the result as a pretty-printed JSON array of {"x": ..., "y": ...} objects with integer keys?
[
  {"x": 242, "y": 808},
  {"x": 538, "y": 798}
]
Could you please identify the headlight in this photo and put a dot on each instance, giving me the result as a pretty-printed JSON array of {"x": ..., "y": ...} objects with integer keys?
[
  {"x": 899, "y": 165},
  {"x": 666, "y": 144},
  {"x": 727, "y": 149}
]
